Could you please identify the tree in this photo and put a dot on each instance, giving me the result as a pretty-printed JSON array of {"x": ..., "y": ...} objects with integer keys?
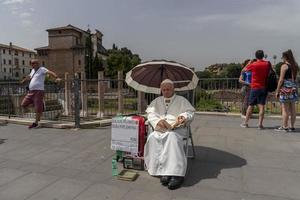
[
  {"x": 233, "y": 70},
  {"x": 96, "y": 66},
  {"x": 277, "y": 68},
  {"x": 204, "y": 74},
  {"x": 88, "y": 55},
  {"x": 120, "y": 59}
]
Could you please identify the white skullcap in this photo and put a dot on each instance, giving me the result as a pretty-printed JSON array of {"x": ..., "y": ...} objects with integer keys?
[{"x": 167, "y": 81}]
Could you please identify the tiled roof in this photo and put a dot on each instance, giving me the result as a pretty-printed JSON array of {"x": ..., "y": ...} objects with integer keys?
[
  {"x": 66, "y": 27},
  {"x": 14, "y": 47}
]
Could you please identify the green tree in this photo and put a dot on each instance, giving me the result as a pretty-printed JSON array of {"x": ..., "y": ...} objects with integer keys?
[
  {"x": 88, "y": 55},
  {"x": 96, "y": 66},
  {"x": 277, "y": 68},
  {"x": 233, "y": 70},
  {"x": 120, "y": 59},
  {"x": 204, "y": 74}
]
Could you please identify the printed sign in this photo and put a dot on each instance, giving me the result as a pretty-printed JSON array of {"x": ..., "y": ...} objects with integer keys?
[{"x": 124, "y": 134}]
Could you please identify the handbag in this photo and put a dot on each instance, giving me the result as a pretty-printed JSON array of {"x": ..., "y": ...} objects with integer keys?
[
  {"x": 271, "y": 80},
  {"x": 27, "y": 87}
]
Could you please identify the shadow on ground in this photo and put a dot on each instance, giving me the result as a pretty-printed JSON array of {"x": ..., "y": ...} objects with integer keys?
[{"x": 208, "y": 164}]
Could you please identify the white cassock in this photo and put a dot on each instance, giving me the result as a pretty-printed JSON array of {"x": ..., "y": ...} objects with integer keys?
[{"x": 164, "y": 152}]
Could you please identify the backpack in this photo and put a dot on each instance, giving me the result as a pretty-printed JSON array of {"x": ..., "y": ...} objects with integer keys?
[{"x": 271, "y": 80}]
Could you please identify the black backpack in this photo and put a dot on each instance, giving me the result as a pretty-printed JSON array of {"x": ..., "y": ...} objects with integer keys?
[{"x": 271, "y": 80}]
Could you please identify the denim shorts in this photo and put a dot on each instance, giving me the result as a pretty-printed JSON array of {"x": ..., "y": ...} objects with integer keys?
[{"x": 258, "y": 96}]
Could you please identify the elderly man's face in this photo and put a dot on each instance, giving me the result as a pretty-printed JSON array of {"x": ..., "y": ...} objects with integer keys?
[{"x": 167, "y": 90}]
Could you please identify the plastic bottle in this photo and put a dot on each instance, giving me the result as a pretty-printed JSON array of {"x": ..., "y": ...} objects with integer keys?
[{"x": 114, "y": 167}]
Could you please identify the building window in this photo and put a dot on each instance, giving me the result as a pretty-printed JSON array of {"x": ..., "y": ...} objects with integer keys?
[
  {"x": 17, "y": 74},
  {"x": 9, "y": 52},
  {"x": 43, "y": 63},
  {"x": 23, "y": 54},
  {"x": 4, "y": 61},
  {"x": 79, "y": 62},
  {"x": 9, "y": 62},
  {"x": 16, "y": 53},
  {"x": 59, "y": 32},
  {"x": 29, "y": 55},
  {"x": 4, "y": 77},
  {"x": 16, "y": 62},
  {"x": 23, "y": 62},
  {"x": 9, "y": 70},
  {"x": 3, "y": 51},
  {"x": 4, "y": 69},
  {"x": 23, "y": 70}
]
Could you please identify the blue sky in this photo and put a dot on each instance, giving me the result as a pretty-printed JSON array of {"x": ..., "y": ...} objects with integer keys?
[{"x": 194, "y": 32}]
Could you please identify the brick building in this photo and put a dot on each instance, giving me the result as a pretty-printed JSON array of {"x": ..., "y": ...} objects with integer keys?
[{"x": 66, "y": 49}]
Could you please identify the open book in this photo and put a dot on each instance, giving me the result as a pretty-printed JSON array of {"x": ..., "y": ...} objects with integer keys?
[{"x": 173, "y": 127}]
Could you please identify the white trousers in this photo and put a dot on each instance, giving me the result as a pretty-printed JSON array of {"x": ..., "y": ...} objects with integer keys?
[{"x": 164, "y": 153}]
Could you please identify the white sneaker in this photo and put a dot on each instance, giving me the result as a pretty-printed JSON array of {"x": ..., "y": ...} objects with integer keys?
[
  {"x": 243, "y": 125},
  {"x": 282, "y": 129}
]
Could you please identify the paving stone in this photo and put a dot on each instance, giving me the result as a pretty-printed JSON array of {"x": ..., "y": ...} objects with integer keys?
[
  {"x": 63, "y": 189},
  {"x": 102, "y": 192},
  {"x": 25, "y": 186}
]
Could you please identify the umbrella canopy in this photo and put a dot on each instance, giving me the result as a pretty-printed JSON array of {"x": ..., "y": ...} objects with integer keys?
[{"x": 146, "y": 77}]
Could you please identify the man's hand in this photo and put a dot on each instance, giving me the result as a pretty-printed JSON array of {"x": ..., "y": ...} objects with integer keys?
[
  {"x": 164, "y": 124},
  {"x": 57, "y": 80},
  {"x": 181, "y": 120}
]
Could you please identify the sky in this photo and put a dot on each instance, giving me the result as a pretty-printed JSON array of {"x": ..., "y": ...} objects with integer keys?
[{"x": 197, "y": 33}]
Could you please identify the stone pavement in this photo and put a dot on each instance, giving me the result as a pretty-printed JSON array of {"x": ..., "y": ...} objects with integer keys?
[{"x": 232, "y": 163}]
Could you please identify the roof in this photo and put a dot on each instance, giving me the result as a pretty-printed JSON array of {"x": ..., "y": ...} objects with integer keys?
[
  {"x": 14, "y": 47},
  {"x": 102, "y": 50},
  {"x": 68, "y": 27},
  {"x": 43, "y": 48}
]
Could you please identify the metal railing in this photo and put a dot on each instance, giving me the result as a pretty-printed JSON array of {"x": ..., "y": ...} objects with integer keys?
[
  {"x": 78, "y": 100},
  {"x": 224, "y": 95}
]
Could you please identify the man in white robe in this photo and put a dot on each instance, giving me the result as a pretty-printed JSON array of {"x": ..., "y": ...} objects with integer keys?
[{"x": 164, "y": 150}]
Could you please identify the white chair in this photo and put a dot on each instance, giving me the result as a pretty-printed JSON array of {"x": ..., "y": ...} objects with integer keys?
[{"x": 189, "y": 140}]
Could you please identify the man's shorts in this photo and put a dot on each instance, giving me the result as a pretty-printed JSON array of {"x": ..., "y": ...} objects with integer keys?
[
  {"x": 257, "y": 96},
  {"x": 34, "y": 97}
]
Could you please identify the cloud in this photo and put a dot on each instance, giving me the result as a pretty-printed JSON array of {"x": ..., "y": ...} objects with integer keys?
[
  {"x": 281, "y": 18},
  {"x": 25, "y": 15},
  {"x": 10, "y": 2},
  {"x": 27, "y": 23},
  {"x": 275, "y": 19},
  {"x": 19, "y": 8},
  {"x": 213, "y": 18}
]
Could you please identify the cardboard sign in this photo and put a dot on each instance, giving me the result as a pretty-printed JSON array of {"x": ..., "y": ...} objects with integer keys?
[{"x": 124, "y": 134}]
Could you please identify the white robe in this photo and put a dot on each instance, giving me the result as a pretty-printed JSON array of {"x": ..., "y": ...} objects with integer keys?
[{"x": 164, "y": 152}]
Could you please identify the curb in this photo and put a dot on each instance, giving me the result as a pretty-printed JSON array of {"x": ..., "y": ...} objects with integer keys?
[
  {"x": 254, "y": 116},
  {"x": 52, "y": 124},
  {"x": 107, "y": 122}
]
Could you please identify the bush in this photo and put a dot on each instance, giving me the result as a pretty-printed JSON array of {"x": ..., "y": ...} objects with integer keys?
[{"x": 205, "y": 102}]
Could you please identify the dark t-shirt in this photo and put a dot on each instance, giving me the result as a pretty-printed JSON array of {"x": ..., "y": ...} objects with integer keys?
[{"x": 260, "y": 70}]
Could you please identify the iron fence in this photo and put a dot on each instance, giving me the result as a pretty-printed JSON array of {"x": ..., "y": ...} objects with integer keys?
[
  {"x": 78, "y": 100},
  {"x": 224, "y": 95}
]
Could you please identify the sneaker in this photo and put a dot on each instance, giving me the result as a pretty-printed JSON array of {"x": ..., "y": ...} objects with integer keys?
[
  {"x": 33, "y": 125},
  {"x": 260, "y": 127},
  {"x": 282, "y": 129},
  {"x": 244, "y": 125},
  {"x": 292, "y": 129}
]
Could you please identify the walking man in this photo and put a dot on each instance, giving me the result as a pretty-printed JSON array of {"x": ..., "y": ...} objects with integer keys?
[
  {"x": 35, "y": 95},
  {"x": 258, "y": 93}
]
